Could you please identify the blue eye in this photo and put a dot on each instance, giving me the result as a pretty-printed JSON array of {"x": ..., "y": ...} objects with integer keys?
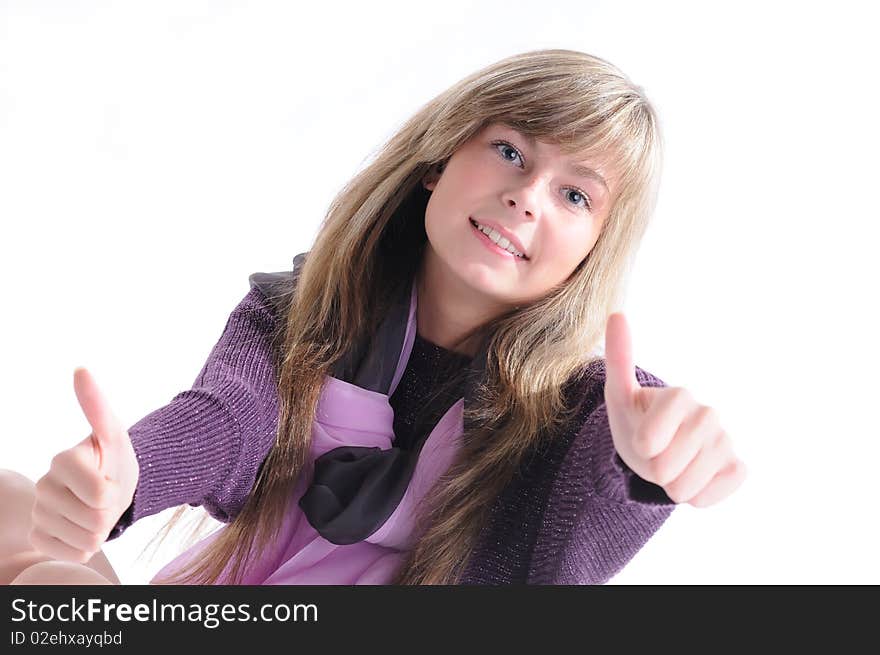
[
  {"x": 502, "y": 146},
  {"x": 582, "y": 195}
]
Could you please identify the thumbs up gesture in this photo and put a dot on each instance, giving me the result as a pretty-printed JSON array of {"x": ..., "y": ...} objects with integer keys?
[
  {"x": 88, "y": 486},
  {"x": 662, "y": 433}
]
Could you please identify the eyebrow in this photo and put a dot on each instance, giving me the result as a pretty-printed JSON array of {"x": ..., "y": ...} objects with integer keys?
[
  {"x": 577, "y": 169},
  {"x": 583, "y": 171}
]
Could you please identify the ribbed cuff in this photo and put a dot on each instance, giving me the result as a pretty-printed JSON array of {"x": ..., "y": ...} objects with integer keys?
[{"x": 183, "y": 451}]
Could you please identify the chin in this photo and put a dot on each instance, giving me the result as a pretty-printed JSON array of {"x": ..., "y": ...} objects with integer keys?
[{"x": 484, "y": 280}]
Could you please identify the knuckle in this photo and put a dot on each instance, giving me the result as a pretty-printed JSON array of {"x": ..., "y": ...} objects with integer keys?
[
  {"x": 42, "y": 485},
  {"x": 106, "y": 519},
  {"x": 93, "y": 543},
  {"x": 722, "y": 441},
  {"x": 709, "y": 415},
  {"x": 683, "y": 394},
  {"x": 674, "y": 493},
  {"x": 671, "y": 493},
  {"x": 662, "y": 471},
  {"x": 83, "y": 462},
  {"x": 657, "y": 470},
  {"x": 699, "y": 501},
  {"x": 61, "y": 460}
]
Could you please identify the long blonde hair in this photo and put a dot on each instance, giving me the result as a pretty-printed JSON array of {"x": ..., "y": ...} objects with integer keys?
[{"x": 371, "y": 240}]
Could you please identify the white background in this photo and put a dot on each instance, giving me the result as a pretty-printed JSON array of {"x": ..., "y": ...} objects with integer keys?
[{"x": 154, "y": 154}]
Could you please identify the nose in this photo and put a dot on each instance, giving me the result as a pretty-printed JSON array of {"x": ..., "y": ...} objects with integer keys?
[{"x": 525, "y": 199}]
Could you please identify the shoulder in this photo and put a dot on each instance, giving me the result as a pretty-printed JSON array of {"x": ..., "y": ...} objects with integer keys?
[{"x": 276, "y": 288}]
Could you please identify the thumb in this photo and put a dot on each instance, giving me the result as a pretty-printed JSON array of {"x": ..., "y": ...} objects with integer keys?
[
  {"x": 106, "y": 428},
  {"x": 621, "y": 385}
]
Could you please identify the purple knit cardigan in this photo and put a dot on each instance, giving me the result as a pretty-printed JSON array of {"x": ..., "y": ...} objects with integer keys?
[{"x": 573, "y": 514}]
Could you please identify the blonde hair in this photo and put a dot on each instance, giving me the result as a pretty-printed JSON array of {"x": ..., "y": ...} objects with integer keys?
[{"x": 372, "y": 239}]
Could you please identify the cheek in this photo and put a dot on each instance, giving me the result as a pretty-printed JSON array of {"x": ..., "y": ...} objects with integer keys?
[
  {"x": 438, "y": 225},
  {"x": 571, "y": 243},
  {"x": 433, "y": 221}
]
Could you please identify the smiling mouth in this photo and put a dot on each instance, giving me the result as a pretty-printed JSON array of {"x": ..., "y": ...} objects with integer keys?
[{"x": 494, "y": 246}]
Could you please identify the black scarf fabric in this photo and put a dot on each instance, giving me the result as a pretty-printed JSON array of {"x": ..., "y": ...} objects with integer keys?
[{"x": 356, "y": 488}]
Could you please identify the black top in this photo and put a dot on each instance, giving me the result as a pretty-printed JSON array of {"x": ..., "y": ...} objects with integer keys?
[{"x": 417, "y": 406}]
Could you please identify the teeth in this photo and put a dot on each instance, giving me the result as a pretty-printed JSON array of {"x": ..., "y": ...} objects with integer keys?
[{"x": 498, "y": 239}]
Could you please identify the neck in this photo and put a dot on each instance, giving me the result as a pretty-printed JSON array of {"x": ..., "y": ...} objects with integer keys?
[{"x": 447, "y": 308}]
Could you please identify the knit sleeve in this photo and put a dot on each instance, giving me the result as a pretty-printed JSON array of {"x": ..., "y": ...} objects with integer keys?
[
  {"x": 609, "y": 512},
  {"x": 205, "y": 446},
  {"x": 605, "y": 538}
]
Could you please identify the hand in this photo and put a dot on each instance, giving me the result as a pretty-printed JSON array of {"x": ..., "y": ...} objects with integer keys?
[
  {"x": 662, "y": 433},
  {"x": 88, "y": 487}
]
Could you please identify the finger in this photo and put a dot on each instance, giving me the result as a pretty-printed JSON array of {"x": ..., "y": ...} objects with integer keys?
[
  {"x": 55, "y": 525},
  {"x": 58, "y": 497},
  {"x": 621, "y": 384},
  {"x": 668, "y": 409},
  {"x": 698, "y": 473},
  {"x": 72, "y": 469},
  {"x": 722, "y": 485},
  {"x": 105, "y": 426},
  {"x": 51, "y": 546},
  {"x": 684, "y": 446}
]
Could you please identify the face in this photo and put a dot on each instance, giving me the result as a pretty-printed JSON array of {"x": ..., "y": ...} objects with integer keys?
[{"x": 530, "y": 195}]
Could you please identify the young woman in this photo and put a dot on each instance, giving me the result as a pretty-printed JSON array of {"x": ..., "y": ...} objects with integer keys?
[{"x": 422, "y": 398}]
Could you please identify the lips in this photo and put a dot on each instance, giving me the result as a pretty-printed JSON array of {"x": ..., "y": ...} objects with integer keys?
[{"x": 504, "y": 233}]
